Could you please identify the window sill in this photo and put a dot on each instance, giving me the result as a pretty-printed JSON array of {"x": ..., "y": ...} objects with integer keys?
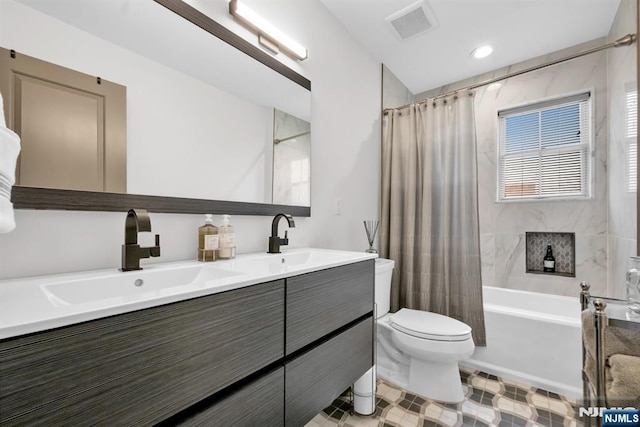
[{"x": 547, "y": 199}]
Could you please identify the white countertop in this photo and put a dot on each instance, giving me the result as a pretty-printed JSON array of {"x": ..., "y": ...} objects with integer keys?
[{"x": 38, "y": 303}]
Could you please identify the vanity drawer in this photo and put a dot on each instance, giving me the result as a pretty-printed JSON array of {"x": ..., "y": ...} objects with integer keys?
[
  {"x": 141, "y": 367},
  {"x": 314, "y": 379},
  {"x": 257, "y": 404},
  {"x": 321, "y": 302}
]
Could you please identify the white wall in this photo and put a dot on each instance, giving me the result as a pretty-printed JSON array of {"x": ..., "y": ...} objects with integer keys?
[
  {"x": 345, "y": 132},
  {"x": 345, "y": 164}
]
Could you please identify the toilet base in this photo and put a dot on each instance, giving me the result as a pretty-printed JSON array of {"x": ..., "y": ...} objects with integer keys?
[
  {"x": 438, "y": 381},
  {"x": 443, "y": 385}
]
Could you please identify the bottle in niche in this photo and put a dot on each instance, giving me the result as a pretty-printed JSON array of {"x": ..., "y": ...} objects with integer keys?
[
  {"x": 549, "y": 262},
  {"x": 207, "y": 240}
]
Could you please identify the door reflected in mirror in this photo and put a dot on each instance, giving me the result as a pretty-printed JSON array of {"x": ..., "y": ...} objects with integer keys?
[{"x": 199, "y": 112}]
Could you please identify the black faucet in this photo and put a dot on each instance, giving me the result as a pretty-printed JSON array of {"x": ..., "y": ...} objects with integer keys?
[
  {"x": 137, "y": 220},
  {"x": 274, "y": 240}
]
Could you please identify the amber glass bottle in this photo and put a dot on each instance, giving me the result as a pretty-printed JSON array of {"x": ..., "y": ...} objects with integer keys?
[
  {"x": 207, "y": 240},
  {"x": 549, "y": 262}
]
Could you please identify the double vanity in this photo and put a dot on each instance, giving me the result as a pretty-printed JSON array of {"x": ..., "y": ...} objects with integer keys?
[{"x": 264, "y": 339}]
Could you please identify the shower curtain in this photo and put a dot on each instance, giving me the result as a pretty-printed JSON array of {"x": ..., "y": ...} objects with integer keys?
[{"x": 429, "y": 223}]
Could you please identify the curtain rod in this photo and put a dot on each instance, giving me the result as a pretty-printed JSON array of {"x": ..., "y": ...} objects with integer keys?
[
  {"x": 278, "y": 141},
  {"x": 627, "y": 40}
]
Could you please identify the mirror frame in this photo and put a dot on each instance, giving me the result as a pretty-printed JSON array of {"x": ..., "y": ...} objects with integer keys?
[{"x": 50, "y": 198}]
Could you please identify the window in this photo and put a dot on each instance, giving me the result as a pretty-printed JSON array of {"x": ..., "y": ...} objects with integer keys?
[
  {"x": 544, "y": 149},
  {"x": 630, "y": 136}
]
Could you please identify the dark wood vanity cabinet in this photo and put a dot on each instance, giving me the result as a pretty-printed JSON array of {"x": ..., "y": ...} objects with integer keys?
[
  {"x": 258, "y": 403},
  {"x": 314, "y": 379},
  {"x": 319, "y": 303},
  {"x": 141, "y": 367},
  {"x": 213, "y": 360}
]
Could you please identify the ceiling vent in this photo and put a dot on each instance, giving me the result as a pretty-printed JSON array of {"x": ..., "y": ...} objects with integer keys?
[{"x": 417, "y": 18}]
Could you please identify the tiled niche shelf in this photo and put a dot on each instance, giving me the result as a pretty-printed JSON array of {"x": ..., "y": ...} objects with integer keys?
[{"x": 564, "y": 251}]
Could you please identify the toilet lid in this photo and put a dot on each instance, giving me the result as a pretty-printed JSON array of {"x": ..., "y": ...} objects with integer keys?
[{"x": 432, "y": 326}]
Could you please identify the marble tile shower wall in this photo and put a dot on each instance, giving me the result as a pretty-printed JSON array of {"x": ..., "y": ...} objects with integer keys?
[
  {"x": 621, "y": 73},
  {"x": 604, "y": 227},
  {"x": 291, "y": 161},
  {"x": 503, "y": 225}
]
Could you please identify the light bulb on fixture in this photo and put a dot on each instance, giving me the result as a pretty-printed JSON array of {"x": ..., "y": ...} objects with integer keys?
[
  {"x": 482, "y": 51},
  {"x": 268, "y": 34}
]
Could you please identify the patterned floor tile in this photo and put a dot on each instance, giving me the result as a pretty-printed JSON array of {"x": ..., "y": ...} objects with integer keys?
[{"x": 489, "y": 401}]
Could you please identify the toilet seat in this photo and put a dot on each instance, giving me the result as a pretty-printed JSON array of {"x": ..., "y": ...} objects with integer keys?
[{"x": 430, "y": 326}]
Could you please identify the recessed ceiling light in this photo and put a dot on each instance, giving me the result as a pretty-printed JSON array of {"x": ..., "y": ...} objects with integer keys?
[{"x": 482, "y": 51}]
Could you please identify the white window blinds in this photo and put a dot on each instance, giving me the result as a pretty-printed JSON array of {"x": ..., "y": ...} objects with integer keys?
[
  {"x": 544, "y": 149},
  {"x": 631, "y": 132}
]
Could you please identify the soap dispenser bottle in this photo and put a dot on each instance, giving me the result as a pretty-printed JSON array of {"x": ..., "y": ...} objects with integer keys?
[
  {"x": 207, "y": 240},
  {"x": 227, "y": 247}
]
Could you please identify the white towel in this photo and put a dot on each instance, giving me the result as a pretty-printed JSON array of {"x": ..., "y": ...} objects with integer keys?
[
  {"x": 7, "y": 221},
  {"x": 9, "y": 150}
]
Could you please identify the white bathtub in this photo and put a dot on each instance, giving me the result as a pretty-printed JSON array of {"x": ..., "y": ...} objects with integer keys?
[{"x": 532, "y": 338}]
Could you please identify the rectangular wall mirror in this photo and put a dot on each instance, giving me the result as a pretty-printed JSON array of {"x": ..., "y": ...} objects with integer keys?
[{"x": 201, "y": 115}]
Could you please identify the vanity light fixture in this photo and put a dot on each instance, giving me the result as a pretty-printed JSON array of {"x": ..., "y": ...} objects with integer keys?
[
  {"x": 268, "y": 35},
  {"x": 482, "y": 51}
]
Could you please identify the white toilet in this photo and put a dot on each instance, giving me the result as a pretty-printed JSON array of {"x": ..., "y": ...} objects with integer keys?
[{"x": 418, "y": 350}]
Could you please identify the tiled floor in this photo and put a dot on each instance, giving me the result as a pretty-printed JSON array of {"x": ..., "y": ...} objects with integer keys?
[{"x": 489, "y": 401}]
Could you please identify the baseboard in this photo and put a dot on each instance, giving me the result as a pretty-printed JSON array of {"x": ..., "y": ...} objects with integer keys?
[{"x": 520, "y": 377}]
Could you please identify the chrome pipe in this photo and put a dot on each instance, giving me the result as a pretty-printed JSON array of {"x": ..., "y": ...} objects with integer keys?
[
  {"x": 584, "y": 294},
  {"x": 586, "y": 391},
  {"x": 600, "y": 322}
]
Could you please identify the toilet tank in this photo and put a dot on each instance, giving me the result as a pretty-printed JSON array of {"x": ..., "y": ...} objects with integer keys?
[{"x": 384, "y": 270}]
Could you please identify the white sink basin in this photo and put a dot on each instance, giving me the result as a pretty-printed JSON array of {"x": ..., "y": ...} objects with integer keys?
[
  {"x": 131, "y": 285},
  {"x": 290, "y": 261},
  {"x": 37, "y": 303},
  {"x": 117, "y": 287}
]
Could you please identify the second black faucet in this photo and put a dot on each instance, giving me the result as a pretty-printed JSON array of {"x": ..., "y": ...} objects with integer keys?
[
  {"x": 137, "y": 220},
  {"x": 274, "y": 241}
]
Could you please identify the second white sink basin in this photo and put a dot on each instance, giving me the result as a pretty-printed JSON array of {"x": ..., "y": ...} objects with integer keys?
[
  {"x": 289, "y": 261},
  {"x": 130, "y": 285},
  {"x": 281, "y": 260}
]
